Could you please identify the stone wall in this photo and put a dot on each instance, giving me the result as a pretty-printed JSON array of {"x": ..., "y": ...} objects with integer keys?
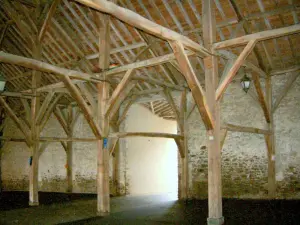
[
  {"x": 145, "y": 158},
  {"x": 244, "y": 156}
]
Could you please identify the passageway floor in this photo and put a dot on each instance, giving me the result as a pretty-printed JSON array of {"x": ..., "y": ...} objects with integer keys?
[{"x": 61, "y": 208}]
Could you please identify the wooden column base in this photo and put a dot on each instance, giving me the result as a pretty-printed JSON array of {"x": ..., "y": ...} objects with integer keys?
[
  {"x": 33, "y": 203},
  {"x": 215, "y": 221},
  {"x": 102, "y": 214}
]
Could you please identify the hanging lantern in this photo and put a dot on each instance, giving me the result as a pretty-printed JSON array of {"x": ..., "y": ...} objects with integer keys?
[
  {"x": 245, "y": 82},
  {"x": 2, "y": 82}
]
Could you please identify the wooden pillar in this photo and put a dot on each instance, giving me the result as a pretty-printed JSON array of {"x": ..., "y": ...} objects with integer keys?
[
  {"x": 116, "y": 161},
  {"x": 69, "y": 151},
  {"x": 184, "y": 178},
  {"x": 215, "y": 216},
  {"x": 35, "y": 105},
  {"x": 103, "y": 201},
  {"x": 270, "y": 141}
]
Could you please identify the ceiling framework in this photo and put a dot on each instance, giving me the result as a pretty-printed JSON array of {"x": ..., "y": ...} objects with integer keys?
[{"x": 105, "y": 55}]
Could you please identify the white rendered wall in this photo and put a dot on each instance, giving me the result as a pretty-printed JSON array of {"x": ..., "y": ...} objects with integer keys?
[{"x": 151, "y": 162}]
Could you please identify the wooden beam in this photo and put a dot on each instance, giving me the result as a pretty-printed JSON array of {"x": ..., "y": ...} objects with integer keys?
[
  {"x": 234, "y": 69},
  {"x": 87, "y": 93},
  {"x": 43, "y": 148},
  {"x": 103, "y": 191},
  {"x": 61, "y": 120},
  {"x": 287, "y": 86},
  {"x": 26, "y": 109},
  {"x": 35, "y": 129},
  {"x": 259, "y": 36},
  {"x": 215, "y": 212},
  {"x": 144, "y": 24},
  {"x": 47, "y": 21},
  {"x": 184, "y": 160},
  {"x": 103, "y": 201},
  {"x": 113, "y": 108},
  {"x": 285, "y": 71},
  {"x": 45, "y": 105},
  {"x": 229, "y": 55},
  {"x": 119, "y": 90},
  {"x": 171, "y": 102},
  {"x": 16, "y": 94},
  {"x": 17, "y": 121},
  {"x": 69, "y": 151},
  {"x": 223, "y": 136},
  {"x": 119, "y": 49},
  {"x": 137, "y": 65},
  {"x": 49, "y": 111},
  {"x": 159, "y": 82},
  {"x": 45, "y": 67},
  {"x": 270, "y": 142},
  {"x": 237, "y": 128},
  {"x": 83, "y": 106},
  {"x": 261, "y": 97},
  {"x": 126, "y": 109},
  {"x": 3, "y": 34},
  {"x": 145, "y": 134},
  {"x": 114, "y": 142},
  {"x": 193, "y": 83}
]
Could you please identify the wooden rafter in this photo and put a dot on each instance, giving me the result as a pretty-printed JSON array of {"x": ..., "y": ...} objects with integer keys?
[
  {"x": 287, "y": 86},
  {"x": 144, "y": 24},
  {"x": 260, "y": 36},
  {"x": 193, "y": 83},
  {"x": 47, "y": 21},
  {"x": 45, "y": 67},
  {"x": 17, "y": 121},
  {"x": 234, "y": 69},
  {"x": 83, "y": 106},
  {"x": 261, "y": 97}
]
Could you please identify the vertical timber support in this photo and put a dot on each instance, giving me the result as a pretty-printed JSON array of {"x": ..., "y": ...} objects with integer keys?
[
  {"x": 103, "y": 187},
  {"x": 270, "y": 142},
  {"x": 103, "y": 201},
  {"x": 35, "y": 105},
  {"x": 184, "y": 178},
  {"x": 215, "y": 215},
  {"x": 69, "y": 151},
  {"x": 116, "y": 160}
]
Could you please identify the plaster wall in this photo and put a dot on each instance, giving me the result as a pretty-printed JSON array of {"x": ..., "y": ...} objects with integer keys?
[{"x": 151, "y": 162}]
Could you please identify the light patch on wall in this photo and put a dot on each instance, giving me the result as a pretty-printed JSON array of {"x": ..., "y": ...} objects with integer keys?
[{"x": 152, "y": 162}]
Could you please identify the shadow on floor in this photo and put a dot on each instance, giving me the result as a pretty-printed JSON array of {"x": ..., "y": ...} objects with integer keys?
[{"x": 60, "y": 208}]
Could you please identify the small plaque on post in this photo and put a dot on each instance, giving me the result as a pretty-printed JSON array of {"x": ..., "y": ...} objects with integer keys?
[
  {"x": 30, "y": 160},
  {"x": 105, "y": 143}
]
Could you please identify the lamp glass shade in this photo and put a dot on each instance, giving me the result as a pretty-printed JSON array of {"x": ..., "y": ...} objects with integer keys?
[
  {"x": 245, "y": 82},
  {"x": 2, "y": 83}
]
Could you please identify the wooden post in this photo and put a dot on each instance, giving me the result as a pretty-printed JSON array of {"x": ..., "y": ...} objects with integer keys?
[
  {"x": 215, "y": 216},
  {"x": 35, "y": 105},
  {"x": 103, "y": 202},
  {"x": 115, "y": 147},
  {"x": 184, "y": 178},
  {"x": 69, "y": 151},
  {"x": 270, "y": 141}
]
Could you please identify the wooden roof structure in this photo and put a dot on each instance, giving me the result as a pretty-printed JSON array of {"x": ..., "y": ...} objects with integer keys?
[
  {"x": 69, "y": 39},
  {"x": 80, "y": 52}
]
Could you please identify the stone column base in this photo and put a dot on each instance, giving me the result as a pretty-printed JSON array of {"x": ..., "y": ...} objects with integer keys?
[
  {"x": 33, "y": 203},
  {"x": 215, "y": 221}
]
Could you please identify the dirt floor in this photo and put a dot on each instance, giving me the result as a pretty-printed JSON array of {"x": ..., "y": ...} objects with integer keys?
[{"x": 59, "y": 208}]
